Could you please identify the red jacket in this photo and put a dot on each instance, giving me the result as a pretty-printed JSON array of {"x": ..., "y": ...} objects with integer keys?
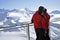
[{"x": 40, "y": 22}]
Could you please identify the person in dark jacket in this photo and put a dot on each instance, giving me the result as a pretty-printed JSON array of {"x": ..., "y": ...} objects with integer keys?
[{"x": 41, "y": 23}]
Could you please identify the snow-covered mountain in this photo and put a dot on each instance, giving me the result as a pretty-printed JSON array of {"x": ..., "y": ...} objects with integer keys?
[
  {"x": 55, "y": 16},
  {"x": 3, "y": 14},
  {"x": 17, "y": 17},
  {"x": 55, "y": 12}
]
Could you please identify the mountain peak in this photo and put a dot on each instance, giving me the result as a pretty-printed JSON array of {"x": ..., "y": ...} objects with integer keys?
[
  {"x": 25, "y": 9},
  {"x": 55, "y": 12}
]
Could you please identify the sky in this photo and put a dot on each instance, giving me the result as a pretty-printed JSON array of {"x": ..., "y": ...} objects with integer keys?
[{"x": 31, "y": 4}]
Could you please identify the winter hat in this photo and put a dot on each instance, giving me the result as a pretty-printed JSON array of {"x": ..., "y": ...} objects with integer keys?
[{"x": 41, "y": 8}]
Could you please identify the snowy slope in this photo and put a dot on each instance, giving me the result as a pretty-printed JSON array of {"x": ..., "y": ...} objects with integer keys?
[{"x": 55, "y": 25}]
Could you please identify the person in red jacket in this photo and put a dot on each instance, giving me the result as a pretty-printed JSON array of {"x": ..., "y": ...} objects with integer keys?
[
  {"x": 47, "y": 24},
  {"x": 41, "y": 23}
]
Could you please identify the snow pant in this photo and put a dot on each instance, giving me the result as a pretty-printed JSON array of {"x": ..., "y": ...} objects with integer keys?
[
  {"x": 40, "y": 34},
  {"x": 47, "y": 35}
]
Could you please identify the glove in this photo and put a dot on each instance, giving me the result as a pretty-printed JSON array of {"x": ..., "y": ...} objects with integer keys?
[{"x": 32, "y": 21}]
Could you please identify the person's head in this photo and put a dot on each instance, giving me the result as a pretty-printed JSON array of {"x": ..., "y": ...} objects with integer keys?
[
  {"x": 45, "y": 10},
  {"x": 41, "y": 9}
]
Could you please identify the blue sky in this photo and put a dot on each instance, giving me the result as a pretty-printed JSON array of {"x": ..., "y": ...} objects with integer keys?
[{"x": 31, "y": 4}]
